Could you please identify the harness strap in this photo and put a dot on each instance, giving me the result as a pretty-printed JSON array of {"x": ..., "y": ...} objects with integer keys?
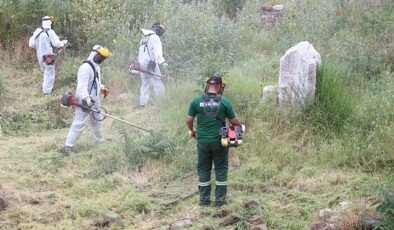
[
  {"x": 94, "y": 84},
  {"x": 144, "y": 42},
  {"x": 209, "y": 103},
  {"x": 46, "y": 31}
]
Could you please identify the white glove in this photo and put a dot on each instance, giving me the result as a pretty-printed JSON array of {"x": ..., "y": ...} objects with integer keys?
[
  {"x": 89, "y": 102},
  {"x": 164, "y": 65},
  {"x": 64, "y": 42},
  {"x": 243, "y": 128}
]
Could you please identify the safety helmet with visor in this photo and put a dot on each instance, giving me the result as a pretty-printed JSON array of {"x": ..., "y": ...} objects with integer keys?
[
  {"x": 47, "y": 22},
  {"x": 216, "y": 79},
  {"x": 101, "y": 54},
  {"x": 158, "y": 28}
]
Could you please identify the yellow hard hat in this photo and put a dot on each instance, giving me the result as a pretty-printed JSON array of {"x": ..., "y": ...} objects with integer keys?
[{"x": 103, "y": 51}]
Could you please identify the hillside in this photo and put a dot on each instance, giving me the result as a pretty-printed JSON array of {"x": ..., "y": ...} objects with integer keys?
[{"x": 325, "y": 166}]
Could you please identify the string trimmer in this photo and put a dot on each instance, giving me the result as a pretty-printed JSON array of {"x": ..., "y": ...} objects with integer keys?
[{"x": 69, "y": 99}]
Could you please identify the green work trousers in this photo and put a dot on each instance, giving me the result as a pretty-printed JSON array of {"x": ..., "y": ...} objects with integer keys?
[{"x": 209, "y": 153}]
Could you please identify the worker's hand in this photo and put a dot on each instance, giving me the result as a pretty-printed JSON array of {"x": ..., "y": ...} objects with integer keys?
[
  {"x": 64, "y": 42},
  {"x": 243, "y": 127},
  {"x": 89, "y": 102},
  {"x": 164, "y": 65},
  {"x": 105, "y": 91},
  {"x": 192, "y": 133}
]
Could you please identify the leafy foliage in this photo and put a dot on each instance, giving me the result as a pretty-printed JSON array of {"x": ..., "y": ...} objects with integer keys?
[{"x": 136, "y": 147}]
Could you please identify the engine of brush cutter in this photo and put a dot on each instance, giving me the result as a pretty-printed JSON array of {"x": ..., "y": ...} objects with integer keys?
[
  {"x": 135, "y": 68},
  {"x": 68, "y": 99},
  {"x": 49, "y": 58},
  {"x": 231, "y": 136}
]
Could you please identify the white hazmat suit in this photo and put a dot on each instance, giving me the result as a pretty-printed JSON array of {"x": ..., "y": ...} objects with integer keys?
[
  {"x": 152, "y": 51},
  {"x": 43, "y": 40},
  {"x": 88, "y": 86}
]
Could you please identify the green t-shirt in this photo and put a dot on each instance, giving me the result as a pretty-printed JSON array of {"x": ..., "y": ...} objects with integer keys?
[{"x": 208, "y": 127}]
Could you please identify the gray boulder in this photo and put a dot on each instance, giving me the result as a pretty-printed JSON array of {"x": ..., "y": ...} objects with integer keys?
[{"x": 297, "y": 75}]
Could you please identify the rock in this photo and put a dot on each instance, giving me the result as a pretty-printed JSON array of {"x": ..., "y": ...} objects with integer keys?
[
  {"x": 278, "y": 7},
  {"x": 297, "y": 75},
  {"x": 111, "y": 217},
  {"x": 334, "y": 219},
  {"x": 181, "y": 223},
  {"x": 325, "y": 212},
  {"x": 107, "y": 219},
  {"x": 344, "y": 204}
]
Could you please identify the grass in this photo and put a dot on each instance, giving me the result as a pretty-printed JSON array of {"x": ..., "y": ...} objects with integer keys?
[{"x": 292, "y": 164}]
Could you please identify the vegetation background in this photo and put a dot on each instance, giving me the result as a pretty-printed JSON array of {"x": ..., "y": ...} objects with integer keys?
[{"x": 292, "y": 164}]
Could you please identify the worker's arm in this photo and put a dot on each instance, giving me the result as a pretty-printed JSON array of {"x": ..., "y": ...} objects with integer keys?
[
  {"x": 235, "y": 122},
  {"x": 189, "y": 122}
]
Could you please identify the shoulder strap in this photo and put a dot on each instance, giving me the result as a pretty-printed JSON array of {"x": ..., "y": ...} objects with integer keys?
[
  {"x": 209, "y": 103},
  {"x": 206, "y": 97},
  {"x": 144, "y": 42},
  {"x": 46, "y": 31},
  {"x": 218, "y": 97},
  {"x": 94, "y": 84}
]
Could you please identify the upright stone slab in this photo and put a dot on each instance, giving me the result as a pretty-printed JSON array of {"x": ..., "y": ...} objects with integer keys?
[{"x": 297, "y": 74}]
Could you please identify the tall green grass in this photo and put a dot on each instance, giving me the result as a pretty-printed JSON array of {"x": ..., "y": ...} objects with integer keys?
[{"x": 333, "y": 105}]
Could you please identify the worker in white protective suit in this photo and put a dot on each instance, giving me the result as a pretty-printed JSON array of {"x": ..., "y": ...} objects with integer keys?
[
  {"x": 44, "y": 40},
  {"x": 150, "y": 57},
  {"x": 88, "y": 90}
]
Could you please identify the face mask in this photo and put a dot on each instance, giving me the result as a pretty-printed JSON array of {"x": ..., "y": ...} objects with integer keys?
[{"x": 98, "y": 58}]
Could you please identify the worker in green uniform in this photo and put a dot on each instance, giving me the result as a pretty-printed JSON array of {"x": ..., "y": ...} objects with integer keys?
[{"x": 211, "y": 110}]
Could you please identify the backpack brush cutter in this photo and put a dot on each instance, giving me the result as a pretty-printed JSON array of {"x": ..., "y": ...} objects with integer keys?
[
  {"x": 50, "y": 58},
  {"x": 231, "y": 136},
  {"x": 68, "y": 99}
]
